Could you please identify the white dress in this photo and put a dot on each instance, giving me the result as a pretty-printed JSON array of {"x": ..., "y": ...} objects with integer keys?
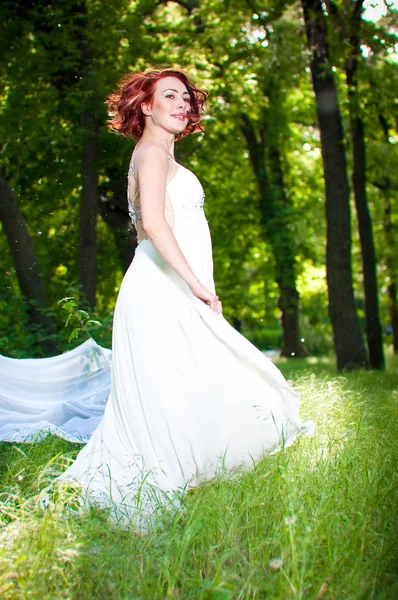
[
  {"x": 188, "y": 392},
  {"x": 64, "y": 395}
]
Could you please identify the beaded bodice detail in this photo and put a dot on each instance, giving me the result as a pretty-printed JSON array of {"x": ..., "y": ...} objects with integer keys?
[{"x": 184, "y": 192}]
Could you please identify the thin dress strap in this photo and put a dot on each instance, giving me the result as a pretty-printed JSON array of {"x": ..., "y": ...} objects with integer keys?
[{"x": 131, "y": 170}]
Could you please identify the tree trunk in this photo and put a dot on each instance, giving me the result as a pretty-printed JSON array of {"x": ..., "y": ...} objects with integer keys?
[
  {"x": 368, "y": 252},
  {"x": 275, "y": 226},
  {"x": 26, "y": 265},
  {"x": 386, "y": 187},
  {"x": 350, "y": 349},
  {"x": 393, "y": 309},
  {"x": 284, "y": 252},
  {"x": 391, "y": 269},
  {"x": 89, "y": 209}
]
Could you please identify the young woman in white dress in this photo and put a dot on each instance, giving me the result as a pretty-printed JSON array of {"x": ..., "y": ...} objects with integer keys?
[{"x": 187, "y": 390}]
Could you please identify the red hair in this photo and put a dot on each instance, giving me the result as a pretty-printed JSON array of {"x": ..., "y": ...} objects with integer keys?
[{"x": 124, "y": 106}]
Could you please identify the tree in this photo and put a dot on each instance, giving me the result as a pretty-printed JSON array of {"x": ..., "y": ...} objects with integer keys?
[
  {"x": 59, "y": 62},
  {"x": 26, "y": 264},
  {"x": 74, "y": 58},
  {"x": 378, "y": 85},
  {"x": 258, "y": 103},
  {"x": 386, "y": 187},
  {"x": 89, "y": 209},
  {"x": 348, "y": 23},
  {"x": 347, "y": 333},
  {"x": 274, "y": 215}
]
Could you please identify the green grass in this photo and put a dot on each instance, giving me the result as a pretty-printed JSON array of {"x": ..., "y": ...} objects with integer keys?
[{"x": 315, "y": 521}]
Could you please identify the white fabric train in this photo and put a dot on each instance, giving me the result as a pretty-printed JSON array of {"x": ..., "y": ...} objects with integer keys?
[{"x": 64, "y": 395}]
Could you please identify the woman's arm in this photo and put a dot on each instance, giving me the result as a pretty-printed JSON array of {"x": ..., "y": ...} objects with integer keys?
[
  {"x": 151, "y": 165},
  {"x": 152, "y": 168}
]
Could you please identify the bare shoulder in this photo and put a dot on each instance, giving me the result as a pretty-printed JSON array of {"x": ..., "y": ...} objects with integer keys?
[{"x": 151, "y": 155}]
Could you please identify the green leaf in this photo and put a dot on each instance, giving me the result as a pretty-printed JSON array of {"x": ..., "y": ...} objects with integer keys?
[{"x": 75, "y": 334}]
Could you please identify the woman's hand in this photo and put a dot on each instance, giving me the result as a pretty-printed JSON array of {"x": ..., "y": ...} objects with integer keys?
[{"x": 201, "y": 292}]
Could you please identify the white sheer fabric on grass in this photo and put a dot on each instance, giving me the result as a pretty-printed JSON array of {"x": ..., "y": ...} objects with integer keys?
[{"x": 64, "y": 395}]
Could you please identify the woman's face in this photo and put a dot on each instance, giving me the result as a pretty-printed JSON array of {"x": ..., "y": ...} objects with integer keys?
[{"x": 170, "y": 105}]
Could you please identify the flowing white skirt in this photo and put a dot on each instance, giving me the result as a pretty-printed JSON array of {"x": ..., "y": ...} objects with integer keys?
[{"x": 187, "y": 390}]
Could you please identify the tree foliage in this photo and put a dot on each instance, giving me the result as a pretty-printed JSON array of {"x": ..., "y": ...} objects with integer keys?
[{"x": 59, "y": 60}]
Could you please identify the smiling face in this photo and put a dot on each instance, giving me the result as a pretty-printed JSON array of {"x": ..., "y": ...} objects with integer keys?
[{"x": 170, "y": 105}]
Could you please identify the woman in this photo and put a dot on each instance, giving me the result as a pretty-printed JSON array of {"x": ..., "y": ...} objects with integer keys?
[{"x": 187, "y": 389}]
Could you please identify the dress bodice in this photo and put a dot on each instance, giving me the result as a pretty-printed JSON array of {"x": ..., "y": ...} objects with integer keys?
[{"x": 184, "y": 192}]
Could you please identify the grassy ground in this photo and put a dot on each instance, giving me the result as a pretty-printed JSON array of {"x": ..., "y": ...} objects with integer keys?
[{"x": 315, "y": 521}]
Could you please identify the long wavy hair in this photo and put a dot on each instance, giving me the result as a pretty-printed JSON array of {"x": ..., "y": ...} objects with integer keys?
[{"x": 124, "y": 105}]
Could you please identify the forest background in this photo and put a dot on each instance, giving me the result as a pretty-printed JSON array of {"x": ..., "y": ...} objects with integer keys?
[{"x": 299, "y": 163}]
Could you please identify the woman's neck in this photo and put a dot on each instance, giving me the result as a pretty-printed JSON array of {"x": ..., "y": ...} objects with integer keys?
[{"x": 165, "y": 141}]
